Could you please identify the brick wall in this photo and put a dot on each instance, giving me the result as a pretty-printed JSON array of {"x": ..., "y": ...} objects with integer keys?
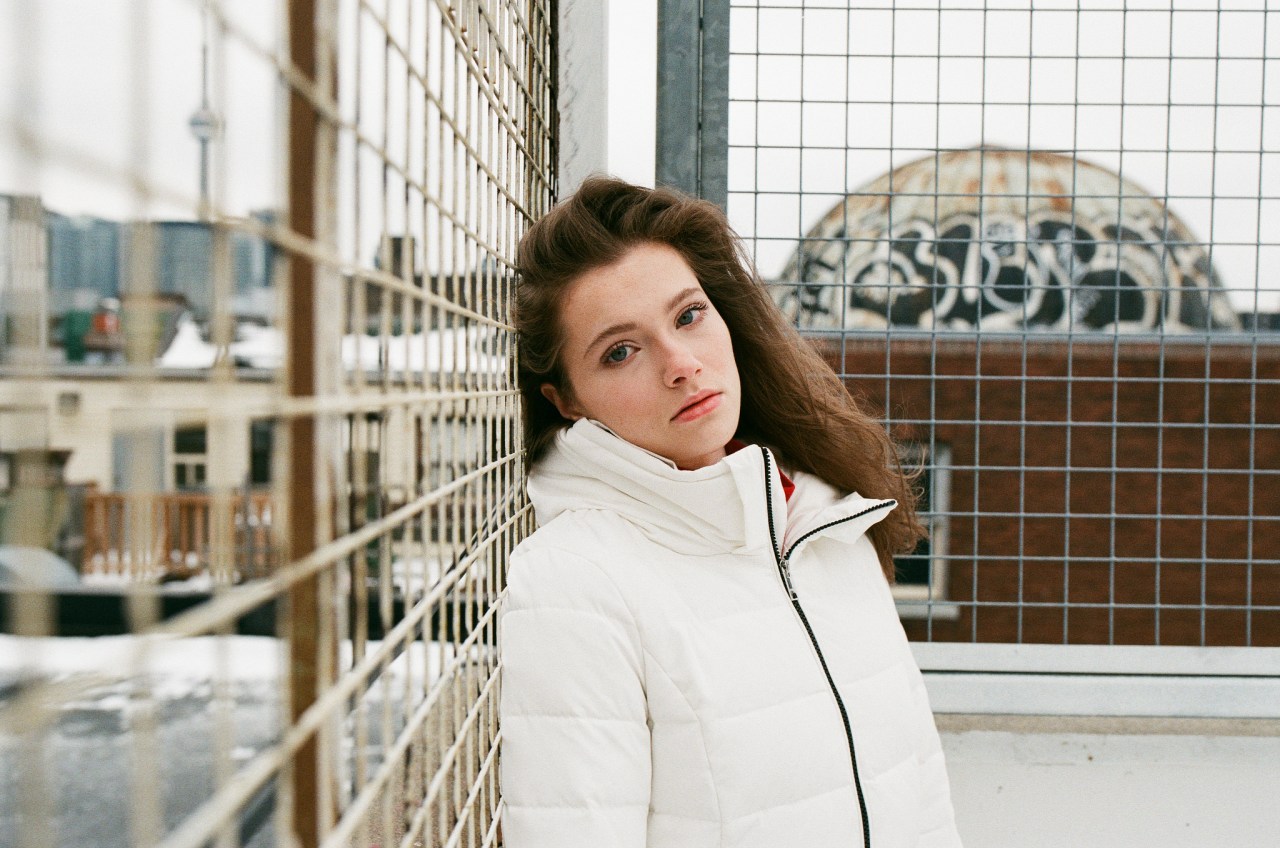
[{"x": 1101, "y": 490}]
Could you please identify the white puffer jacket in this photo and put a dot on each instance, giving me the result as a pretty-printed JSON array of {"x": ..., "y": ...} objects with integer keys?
[{"x": 660, "y": 687}]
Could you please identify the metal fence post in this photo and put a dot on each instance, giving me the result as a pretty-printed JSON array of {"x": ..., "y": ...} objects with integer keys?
[
  {"x": 693, "y": 98},
  {"x": 302, "y": 627}
]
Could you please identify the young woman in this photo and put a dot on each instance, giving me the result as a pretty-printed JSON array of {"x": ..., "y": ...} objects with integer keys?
[{"x": 699, "y": 644}]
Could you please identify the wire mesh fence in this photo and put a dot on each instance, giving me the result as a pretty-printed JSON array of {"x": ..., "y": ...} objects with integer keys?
[
  {"x": 1038, "y": 240},
  {"x": 258, "y": 398}
]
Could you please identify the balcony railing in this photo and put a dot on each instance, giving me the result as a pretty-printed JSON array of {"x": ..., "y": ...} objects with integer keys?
[{"x": 164, "y": 537}]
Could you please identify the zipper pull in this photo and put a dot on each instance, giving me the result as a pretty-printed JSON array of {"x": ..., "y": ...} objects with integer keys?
[{"x": 785, "y": 564}]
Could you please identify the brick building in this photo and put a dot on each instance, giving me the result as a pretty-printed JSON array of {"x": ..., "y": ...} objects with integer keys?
[{"x": 1099, "y": 490}]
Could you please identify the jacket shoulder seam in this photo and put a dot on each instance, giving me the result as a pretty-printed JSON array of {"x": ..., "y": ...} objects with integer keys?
[
  {"x": 633, "y": 621},
  {"x": 541, "y": 608},
  {"x": 570, "y": 806},
  {"x": 575, "y": 717}
]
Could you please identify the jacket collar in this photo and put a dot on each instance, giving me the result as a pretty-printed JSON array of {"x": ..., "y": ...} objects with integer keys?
[{"x": 722, "y": 507}]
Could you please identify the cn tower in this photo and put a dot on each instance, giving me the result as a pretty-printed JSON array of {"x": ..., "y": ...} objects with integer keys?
[{"x": 204, "y": 125}]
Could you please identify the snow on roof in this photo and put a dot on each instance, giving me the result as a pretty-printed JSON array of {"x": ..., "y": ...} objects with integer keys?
[
  {"x": 176, "y": 666},
  {"x": 473, "y": 349},
  {"x": 188, "y": 349},
  {"x": 261, "y": 347},
  {"x": 465, "y": 349}
]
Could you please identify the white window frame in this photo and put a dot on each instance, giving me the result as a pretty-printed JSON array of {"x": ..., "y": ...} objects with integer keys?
[{"x": 915, "y": 600}]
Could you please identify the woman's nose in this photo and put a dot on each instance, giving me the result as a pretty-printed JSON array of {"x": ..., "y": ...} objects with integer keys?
[{"x": 681, "y": 364}]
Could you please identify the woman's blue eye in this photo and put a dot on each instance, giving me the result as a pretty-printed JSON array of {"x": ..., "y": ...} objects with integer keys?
[
  {"x": 688, "y": 316},
  {"x": 618, "y": 354}
]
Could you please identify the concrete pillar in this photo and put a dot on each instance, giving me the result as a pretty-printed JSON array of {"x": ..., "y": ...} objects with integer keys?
[{"x": 608, "y": 84}]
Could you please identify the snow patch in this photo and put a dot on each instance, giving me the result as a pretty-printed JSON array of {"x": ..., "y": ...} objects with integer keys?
[
  {"x": 473, "y": 350},
  {"x": 173, "y": 669},
  {"x": 175, "y": 661}
]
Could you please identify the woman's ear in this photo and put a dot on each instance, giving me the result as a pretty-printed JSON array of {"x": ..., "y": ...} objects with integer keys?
[{"x": 566, "y": 409}]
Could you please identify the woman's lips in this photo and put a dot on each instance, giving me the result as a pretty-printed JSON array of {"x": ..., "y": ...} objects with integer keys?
[{"x": 699, "y": 407}]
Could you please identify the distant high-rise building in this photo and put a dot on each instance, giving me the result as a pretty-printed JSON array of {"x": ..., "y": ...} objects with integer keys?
[
  {"x": 24, "y": 276},
  {"x": 184, "y": 263},
  {"x": 84, "y": 257},
  {"x": 253, "y": 256},
  {"x": 253, "y": 260}
]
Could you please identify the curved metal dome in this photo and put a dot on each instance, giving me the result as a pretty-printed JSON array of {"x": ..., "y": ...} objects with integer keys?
[{"x": 1002, "y": 239}]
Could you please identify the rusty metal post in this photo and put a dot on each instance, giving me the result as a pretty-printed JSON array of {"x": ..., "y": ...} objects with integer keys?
[{"x": 302, "y": 627}]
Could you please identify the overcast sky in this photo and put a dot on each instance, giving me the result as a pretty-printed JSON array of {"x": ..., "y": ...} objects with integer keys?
[{"x": 109, "y": 86}]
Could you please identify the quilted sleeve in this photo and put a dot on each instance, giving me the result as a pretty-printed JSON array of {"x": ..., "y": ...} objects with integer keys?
[
  {"x": 575, "y": 762},
  {"x": 937, "y": 818}
]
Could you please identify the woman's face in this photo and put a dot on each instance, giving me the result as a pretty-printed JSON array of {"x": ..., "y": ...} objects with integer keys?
[{"x": 648, "y": 356}]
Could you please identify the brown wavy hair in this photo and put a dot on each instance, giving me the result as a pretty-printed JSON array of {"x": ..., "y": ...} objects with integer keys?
[{"x": 791, "y": 400}]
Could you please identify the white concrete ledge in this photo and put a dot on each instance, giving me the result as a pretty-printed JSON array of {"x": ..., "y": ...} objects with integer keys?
[
  {"x": 951, "y": 723},
  {"x": 1098, "y": 659},
  {"x": 1102, "y": 681}
]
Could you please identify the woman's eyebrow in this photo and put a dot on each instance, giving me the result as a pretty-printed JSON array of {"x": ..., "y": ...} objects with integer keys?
[
  {"x": 631, "y": 325},
  {"x": 605, "y": 333},
  {"x": 687, "y": 293}
]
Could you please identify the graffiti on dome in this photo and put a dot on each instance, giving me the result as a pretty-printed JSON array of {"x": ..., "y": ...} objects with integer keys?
[{"x": 1045, "y": 271}]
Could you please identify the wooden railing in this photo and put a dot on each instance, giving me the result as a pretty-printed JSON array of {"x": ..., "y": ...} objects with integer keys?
[{"x": 167, "y": 536}]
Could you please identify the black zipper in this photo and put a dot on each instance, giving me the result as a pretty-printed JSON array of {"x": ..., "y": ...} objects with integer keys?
[{"x": 784, "y": 570}]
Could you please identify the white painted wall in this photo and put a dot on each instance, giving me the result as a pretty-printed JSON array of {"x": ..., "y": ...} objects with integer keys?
[{"x": 105, "y": 407}]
